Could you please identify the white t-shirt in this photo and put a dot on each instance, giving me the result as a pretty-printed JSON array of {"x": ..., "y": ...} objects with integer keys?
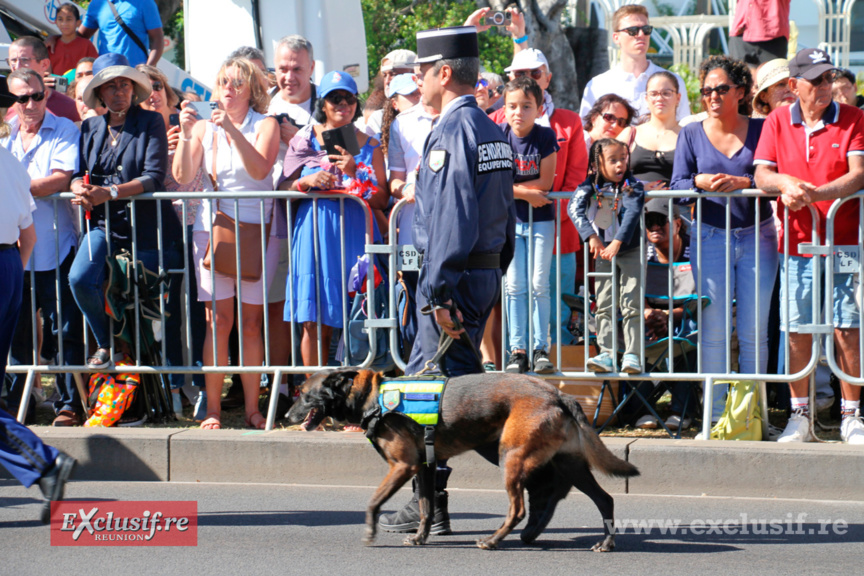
[
  {"x": 631, "y": 88},
  {"x": 18, "y": 205},
  {"x": 300, "y": 113},
  {"x": 408, "y": 133},
  {"x": 232, "y": 176}
]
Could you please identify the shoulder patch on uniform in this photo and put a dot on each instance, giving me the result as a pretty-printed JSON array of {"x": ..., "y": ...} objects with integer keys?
[
  {"x": 437, "y": 159},
  {"x": 493, "y": 157}
]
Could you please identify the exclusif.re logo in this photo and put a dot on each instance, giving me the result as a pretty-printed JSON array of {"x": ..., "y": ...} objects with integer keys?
[{"x": 92, "y": 523}]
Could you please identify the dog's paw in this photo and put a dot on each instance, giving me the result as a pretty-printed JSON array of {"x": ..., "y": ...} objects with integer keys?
[
  {"x": 414, "y": 540},
  {"x": 369, "y": 537},
  {"x": 607, "y": 545},
  {"x": 487, "y": 544}
]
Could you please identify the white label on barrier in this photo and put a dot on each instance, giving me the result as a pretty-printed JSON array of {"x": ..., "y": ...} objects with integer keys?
[
  {"x": 847, "y": 259},
  {"x": 408, "y": 258}
]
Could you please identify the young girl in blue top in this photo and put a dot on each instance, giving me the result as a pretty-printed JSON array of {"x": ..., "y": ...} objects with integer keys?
[
  {"x": 535, "y": 149},
  {"x": 606, "y": 210}
]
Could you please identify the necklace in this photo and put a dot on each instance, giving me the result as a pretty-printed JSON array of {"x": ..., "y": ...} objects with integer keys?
[{"x": 115, "y": 139}]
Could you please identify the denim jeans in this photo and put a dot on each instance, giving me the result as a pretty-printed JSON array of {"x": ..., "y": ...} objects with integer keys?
[
  {"x": 71, "y": 332},
  {"x": 560, "y": 312},
  {"x": 87, "y": 276},
  {"x": 745, "y": 290},
  {"x": 542, "y": 240}
]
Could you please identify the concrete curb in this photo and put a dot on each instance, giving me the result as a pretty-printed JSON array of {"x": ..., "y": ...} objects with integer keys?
[{"x": 680, "y": 467}]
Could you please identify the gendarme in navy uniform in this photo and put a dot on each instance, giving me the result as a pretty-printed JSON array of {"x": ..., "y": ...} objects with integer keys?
[{"x": 464, "y": 221}]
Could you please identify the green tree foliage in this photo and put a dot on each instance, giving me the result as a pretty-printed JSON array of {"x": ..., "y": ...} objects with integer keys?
[
  {"x": 691, "y": 80},
  {"x": 392, "y": 24}
]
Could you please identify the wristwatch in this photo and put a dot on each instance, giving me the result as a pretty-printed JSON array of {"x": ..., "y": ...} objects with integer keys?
[{"x": 115, "y": 192}]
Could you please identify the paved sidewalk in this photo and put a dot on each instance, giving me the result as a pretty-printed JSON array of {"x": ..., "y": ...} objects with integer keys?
[{"x": 673, "y": 467}]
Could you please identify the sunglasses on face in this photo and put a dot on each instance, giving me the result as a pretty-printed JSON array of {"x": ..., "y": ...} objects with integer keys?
[
  {"x": 497, "y": 91},
  {"x": 653, "y": 219},
  {"x": 536, "y": 74},
  {"x": 830, "y": 76},
  {"x": 634, "y": 30},
  {"x": 237, "y": 83},
  {"x": 721, "y": 90},
  {"x": 482, "y": 83},
  {"x": 36, "y": 97},
  {"x": 337, "y": 99},
  {"x": 157, "y": 86},
  {"x": 612, "y": 119}
]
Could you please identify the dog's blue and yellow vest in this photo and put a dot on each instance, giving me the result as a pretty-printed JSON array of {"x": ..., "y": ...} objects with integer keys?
[{"x": 417, "y": 398}]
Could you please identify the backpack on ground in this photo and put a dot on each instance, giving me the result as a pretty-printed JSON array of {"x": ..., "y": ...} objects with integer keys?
[{"x": 742, "y": 417}]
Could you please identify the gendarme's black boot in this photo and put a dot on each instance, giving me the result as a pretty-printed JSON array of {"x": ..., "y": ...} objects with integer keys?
[{"x": 408, "y": 518}]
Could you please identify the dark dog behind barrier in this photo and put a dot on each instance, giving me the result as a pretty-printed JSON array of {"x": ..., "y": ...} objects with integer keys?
[{"x": 539, "y": 436}]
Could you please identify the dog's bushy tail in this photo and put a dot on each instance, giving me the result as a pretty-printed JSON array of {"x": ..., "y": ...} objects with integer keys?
[{"x": 599, "y": 457}]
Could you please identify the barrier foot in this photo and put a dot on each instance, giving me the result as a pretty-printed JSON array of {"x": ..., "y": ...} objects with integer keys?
[{"x": 274, "y": 400}]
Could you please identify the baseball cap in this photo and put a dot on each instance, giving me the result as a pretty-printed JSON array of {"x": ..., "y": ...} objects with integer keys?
[
  {"x": 530, "y": 59},
  {"x": 402, "y": 84},
  {"x": 661, "y": 206},
  {"x": 336, "y": 80},
  {"x": 398, "y": 60},
  {"x": 810, "y": 64}
]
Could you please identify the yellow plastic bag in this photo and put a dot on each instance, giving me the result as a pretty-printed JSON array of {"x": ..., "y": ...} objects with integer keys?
[
  {"x": 742, "y": 417},
  {"x": 115, "y": 395}
]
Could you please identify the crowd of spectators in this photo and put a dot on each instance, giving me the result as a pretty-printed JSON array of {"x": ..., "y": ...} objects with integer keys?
[{"x": 124, "y": 130}]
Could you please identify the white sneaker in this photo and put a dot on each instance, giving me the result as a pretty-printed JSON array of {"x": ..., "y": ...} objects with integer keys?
[
  {"x": 797, "y": 429},
  {"x": 646, "y": 422},
  {"x": 674, "y": 422},
  {"x": 852, "y": 429}
]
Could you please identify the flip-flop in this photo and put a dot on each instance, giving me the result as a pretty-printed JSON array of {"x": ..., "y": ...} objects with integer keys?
[
  {"x": 212, "y": 422},
  {"x": 262, "y": 423}
]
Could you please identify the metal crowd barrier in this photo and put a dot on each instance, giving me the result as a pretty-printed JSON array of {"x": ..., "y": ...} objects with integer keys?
[{"x": 404, "y": 258}]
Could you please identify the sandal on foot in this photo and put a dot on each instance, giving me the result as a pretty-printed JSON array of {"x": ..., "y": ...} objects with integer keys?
[
  {"x": 212, "y": 422},
  {"x": 259, "y": 424}
]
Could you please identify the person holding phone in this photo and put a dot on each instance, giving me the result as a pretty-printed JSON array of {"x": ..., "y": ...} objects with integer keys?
[
  {"x": 237, "y": 145},
  {"x": 165, "y": 101},
  {"x": 309, "y": 168},
  {"x": 652, "y": 144}
]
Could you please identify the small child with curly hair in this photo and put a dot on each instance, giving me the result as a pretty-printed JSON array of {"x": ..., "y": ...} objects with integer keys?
[{"x": 606, "y": 210}]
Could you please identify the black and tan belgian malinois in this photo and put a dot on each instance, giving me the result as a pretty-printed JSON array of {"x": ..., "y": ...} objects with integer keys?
[{"x": 539, "y": 437}]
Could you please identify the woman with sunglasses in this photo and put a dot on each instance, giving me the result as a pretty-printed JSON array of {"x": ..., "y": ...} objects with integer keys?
[
  {"x": 716, "y": 155},
  {"x": 165, "y": 101},
  {"x": 308, "y": 168},
  {"x": 652, "y": 144},
  {"x": 607, "y": 119},
  {"x": 237, "y": 147}
]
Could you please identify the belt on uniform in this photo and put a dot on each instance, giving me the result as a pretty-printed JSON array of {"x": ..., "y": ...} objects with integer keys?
[
  {"x": 7, "y": 246},
  {"x": 478, "y": 261}
]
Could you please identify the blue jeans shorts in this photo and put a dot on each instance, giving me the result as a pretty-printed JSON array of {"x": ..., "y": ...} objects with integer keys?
[{"x": 799, "y": 291}]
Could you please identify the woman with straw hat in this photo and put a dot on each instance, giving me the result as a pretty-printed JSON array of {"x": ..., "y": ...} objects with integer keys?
[
  {"x": 772, "y": 87},
  {"x": 123, "y": 153}
]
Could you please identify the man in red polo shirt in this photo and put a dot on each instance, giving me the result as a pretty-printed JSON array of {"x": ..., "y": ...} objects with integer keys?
[{"x": 812, "y": 153}]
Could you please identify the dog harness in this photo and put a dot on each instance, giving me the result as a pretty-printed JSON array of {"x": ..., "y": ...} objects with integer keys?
[{"x": 418, "y": 398}]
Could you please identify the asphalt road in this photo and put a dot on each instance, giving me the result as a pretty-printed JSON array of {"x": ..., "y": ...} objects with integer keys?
[{"x": 286, "y": 530}]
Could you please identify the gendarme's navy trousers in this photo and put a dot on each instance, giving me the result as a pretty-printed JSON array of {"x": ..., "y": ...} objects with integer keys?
[{"x": 21, "y": 451}]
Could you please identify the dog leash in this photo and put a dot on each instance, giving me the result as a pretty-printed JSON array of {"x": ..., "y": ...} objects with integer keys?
[{"x": 445, "y": 341}]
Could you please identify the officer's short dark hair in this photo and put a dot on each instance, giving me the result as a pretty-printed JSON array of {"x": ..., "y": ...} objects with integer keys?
[
  {"x": 465, "y": 70},
  {"x": 527, "y": 86}
]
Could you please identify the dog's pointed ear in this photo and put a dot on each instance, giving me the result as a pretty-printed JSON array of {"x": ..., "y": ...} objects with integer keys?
[{"x": 339, "y": 382}]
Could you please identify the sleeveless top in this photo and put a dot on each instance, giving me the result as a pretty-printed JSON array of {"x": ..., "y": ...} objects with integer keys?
[
  {"x": 651, "y": 165},
  {"x": 231, "y": 175}
]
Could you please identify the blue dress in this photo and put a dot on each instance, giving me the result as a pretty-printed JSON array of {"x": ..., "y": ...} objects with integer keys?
[{"x": 300, "y": 302}]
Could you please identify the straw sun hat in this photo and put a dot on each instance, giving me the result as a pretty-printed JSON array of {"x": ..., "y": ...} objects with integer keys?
[{"x": 110, "y": 66}]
